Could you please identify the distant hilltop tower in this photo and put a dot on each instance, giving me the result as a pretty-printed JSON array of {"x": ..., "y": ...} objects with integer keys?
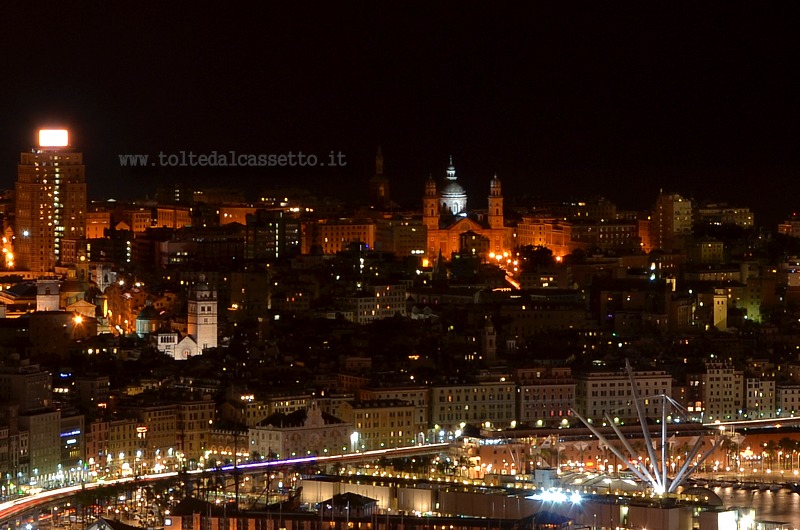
[{"x": 379, "y": 185}]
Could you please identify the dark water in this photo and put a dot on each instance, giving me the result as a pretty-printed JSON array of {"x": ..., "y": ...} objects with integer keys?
[{"x": 783, "y": 505}]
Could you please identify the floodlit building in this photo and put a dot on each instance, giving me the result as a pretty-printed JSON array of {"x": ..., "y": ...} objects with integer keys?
[
  {"x": 50, "y": 201},
  {"x": 555, "y": 234},
  {"x": 202, "y": 321},
  {"x": 446, "y": 217}
]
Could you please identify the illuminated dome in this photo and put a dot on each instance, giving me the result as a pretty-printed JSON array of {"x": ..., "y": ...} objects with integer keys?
[
  {"x": 148, "y": 321},
  {"x": 453, "y": 197}
]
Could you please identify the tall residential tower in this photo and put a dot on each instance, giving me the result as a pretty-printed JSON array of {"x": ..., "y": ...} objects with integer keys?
[{"x": 50, "y": 201}]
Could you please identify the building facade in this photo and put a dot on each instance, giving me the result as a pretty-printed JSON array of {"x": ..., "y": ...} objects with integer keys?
[
  {"x": 598, "y": 394},
  {"x": 50, "y": 204},
  {"x": 446, "y": 217},
  {"x": 546, "y": 395},
  {"x": 493, "y": 402}
]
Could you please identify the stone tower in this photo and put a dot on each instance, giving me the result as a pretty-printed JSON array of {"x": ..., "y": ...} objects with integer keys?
[
  {"x": 430, "y": 205},
  {"x": 379, "y": 185},
  {"x": 202, "y": 318},
  {"x": 495, "y": 204}
]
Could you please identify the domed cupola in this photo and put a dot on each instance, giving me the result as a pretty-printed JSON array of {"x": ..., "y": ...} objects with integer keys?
[{"x": 453, "y": 198}]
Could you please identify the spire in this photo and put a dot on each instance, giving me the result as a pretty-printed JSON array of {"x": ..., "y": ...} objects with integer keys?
[
  {"x": 379, "y": 162},
  {"x": 451, "y": 170},
  {"x": 430, "y": 186},
  {"x": 495, "y": 189}
]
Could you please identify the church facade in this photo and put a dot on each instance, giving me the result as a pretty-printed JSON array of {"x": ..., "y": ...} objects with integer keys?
[{"x": 453, "y": 228}]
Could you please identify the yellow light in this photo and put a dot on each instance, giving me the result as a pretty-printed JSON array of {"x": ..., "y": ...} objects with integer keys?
[{"x": 78, "y": 319}]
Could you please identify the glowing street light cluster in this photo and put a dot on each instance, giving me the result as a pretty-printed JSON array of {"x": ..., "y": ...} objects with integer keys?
[{"x": 558, "y": 496}]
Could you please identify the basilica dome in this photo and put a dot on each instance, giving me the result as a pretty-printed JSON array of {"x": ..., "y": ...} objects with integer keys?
[{"x": 453, "y": 198}]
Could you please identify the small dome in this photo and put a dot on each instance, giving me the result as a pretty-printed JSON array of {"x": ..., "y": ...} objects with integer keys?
[
  {"x": 454, "y": 190},
  {"x": 148, "y": 313}
]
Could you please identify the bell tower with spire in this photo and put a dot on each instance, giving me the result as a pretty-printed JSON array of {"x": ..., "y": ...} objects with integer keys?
[
  {"x": 202, "y": 317},
  {"x": 379, "y": 184},
  {"x": 495, "y": 204},
  {"x": 430, "y": 205}
]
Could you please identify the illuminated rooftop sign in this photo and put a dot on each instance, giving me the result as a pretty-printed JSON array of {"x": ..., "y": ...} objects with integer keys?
[{"x": 53, "y": 138}]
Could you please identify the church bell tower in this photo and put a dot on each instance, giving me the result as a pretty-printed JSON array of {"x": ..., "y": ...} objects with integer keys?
[{"x": 495, "y": 204}]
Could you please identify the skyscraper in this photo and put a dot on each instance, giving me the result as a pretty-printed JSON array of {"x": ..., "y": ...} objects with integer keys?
[{"x": 50, "y": 201}]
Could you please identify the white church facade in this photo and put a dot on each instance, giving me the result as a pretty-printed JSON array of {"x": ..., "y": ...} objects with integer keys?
[{"x": 201, "y": 328}]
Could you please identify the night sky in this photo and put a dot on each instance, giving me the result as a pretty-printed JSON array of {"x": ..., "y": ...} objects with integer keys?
[{"x": 594, "y": 98}]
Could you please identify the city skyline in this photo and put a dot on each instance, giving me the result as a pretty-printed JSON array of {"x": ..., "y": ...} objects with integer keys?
[
  {"x": 562, "y": 102},
  {"x": 476, "y": 255}
]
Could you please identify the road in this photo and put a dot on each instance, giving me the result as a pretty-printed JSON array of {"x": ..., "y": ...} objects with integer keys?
[{"x": 12, "y": 511}]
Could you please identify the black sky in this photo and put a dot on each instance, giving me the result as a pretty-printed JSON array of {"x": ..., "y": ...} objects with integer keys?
[{"x": 592, "y": 98}]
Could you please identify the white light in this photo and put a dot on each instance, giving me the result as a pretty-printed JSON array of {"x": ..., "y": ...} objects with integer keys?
[
  {"x": 553, "y": 496},
  {"x": 575, "y": 498},
  {"x": 53, "y": 138}
]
